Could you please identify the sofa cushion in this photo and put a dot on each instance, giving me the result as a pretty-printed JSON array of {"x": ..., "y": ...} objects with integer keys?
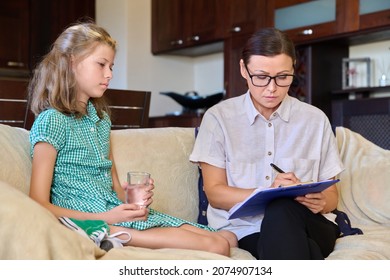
[
  {"x": 164, "y": 153},
  {"x": 15, "y": 161},
  {"x": 30, "y": 231}
]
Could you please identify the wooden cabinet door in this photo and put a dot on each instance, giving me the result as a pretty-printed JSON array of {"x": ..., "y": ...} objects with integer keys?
[
  {"x": 234, "y": 83},
  {"x": 306, "y": 20},
  {"x": 14, "y": 43},
  {"x": 202, "y": 21},
  {"x": 167, "y": 28},
  {"x": 374, "y": 14},
  {"x": 179, "y": 24},
  {"x": 244, "y": 16},
  {"x": 50, "y": 17},
  {"x": 29, "y": 29}
]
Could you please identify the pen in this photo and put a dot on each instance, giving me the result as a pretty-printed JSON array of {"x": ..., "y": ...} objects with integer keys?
[{"x": 277, "y": 168}]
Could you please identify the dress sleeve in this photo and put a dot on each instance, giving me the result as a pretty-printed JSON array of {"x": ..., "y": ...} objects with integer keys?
[{"x": 49, "y": 127}]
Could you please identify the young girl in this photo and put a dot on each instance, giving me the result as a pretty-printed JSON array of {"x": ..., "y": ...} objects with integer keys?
[{"x": 73, "y": 172}]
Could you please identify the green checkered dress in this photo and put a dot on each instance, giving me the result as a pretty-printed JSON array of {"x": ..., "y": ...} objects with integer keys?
[{"x": 82, "y": 174}]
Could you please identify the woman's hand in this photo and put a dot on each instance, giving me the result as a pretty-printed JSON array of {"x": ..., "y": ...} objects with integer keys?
[
  {"x": 285, "y": 179},
  {"x": 314, "y": 201},
  {"x": 323, "y": 202}
]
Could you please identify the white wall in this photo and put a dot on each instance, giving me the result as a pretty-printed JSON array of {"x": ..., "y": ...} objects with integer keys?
[
  {"x": 129, "y": 22},
  {"x": 114, "y": 18}
]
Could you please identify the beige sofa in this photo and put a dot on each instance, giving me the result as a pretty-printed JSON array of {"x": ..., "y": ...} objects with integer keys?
[{"x": 28, "y": 231}]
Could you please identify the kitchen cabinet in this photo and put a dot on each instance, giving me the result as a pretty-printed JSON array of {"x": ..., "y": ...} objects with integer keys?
[
  {"x": 244, "y": 18},
  {"x": 202, "y": 21},
  {"x": 14, "y": 45},
  {"x": 31, "y": 26},
  {"x": 304, "y": 23},
  {"x": 305, "y": 20},
  {"x": 180, "y": 24},
  {"x": 234, "y": 83},
  {"x": 29, "y": 29},
  {"x": 374, "y": 14},
  {"x": 167, "y": 30},
  {"x": 49, "y": 18}
]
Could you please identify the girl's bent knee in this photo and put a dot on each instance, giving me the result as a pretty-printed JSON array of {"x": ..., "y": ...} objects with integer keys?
[
  {"x": 219, "y": 246},
  {"x": 230, "y": 237}
]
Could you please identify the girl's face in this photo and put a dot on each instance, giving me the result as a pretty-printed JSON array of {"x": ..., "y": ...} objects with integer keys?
[
  {"x": 267, "y": 99},
  {"x": 93, "y": 73}
]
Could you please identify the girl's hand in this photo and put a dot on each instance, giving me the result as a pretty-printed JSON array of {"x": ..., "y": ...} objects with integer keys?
[
  {"x": 126, "y": 213},
  {"x": 149, "y": 193},
  {"x": 315, "y": 202},
  {"x": 147, "y": 198}
]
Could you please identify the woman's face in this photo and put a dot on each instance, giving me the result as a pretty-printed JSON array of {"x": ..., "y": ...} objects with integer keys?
[
  {"x": 267, "y": 98},
  {"x": 94, "y": 72}
]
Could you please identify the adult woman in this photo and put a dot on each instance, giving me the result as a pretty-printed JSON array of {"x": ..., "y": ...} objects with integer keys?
[{"x": 240, "y": 137}]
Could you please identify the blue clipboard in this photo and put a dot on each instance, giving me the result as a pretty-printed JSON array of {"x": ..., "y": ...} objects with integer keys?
[{"x": 255, "y": 204}]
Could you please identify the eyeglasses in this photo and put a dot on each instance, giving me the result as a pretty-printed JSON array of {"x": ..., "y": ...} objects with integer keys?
[{"x": 283, "y": 80}]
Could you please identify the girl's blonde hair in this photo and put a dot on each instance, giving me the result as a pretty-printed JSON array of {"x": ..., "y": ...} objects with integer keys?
[{"x": 53, "y": 84}]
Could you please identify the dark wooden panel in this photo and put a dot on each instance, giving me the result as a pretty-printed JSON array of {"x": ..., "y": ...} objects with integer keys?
[
  {"x": 14, "y": 43},
  {"x": 375, "y": 20},
  {"x": 369, "y": 117},
  {"x": 129, "y": 108},
  {"x": 13, "y": 101},
  {"x": 176, "y": 121}
]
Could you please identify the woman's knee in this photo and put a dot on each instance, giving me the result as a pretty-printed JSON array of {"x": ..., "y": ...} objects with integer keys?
[
  {"x": 282, "y": 214},
  {"x": 280, "y": 203},
  {"x": 282, "y": 207}
]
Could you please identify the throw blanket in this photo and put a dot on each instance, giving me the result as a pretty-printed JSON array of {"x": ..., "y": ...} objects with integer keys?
[
  {"x": 364, "y": 195},
  {"x": 365, "y": 190}
]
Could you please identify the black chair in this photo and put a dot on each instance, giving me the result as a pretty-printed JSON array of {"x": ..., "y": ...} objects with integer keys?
[
  {"x": 129, "y": 108},
  {"x": 13, "y": 101}
]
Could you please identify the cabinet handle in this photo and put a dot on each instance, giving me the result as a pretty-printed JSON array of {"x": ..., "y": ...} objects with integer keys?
[
  {"x": 11, "y": 121},
  {"x": 193, "y": 38},
  {"x": 15, "y": 64},
  {"x": 236, "y": 29},
  {"x": 177, "y": 42},
  {"x": 306, "y": 32}
]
